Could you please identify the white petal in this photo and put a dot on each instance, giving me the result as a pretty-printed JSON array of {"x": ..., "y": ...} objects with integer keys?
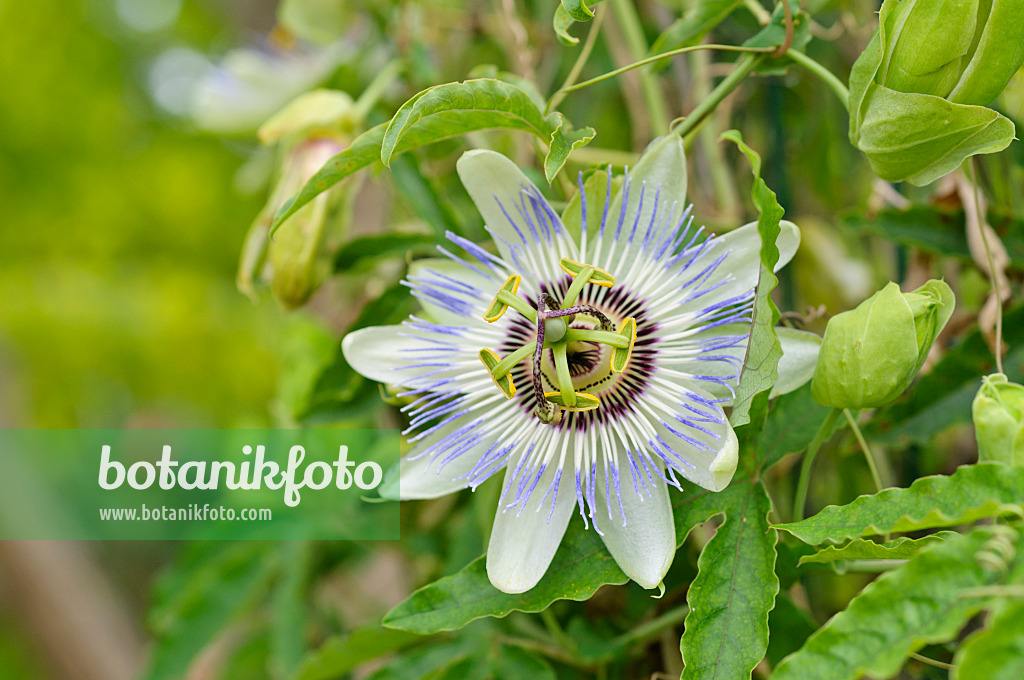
[
  {"x": 426, "y": 476},
  {"x": 799, "y": 355},
  {"x": 378, "y": 352},
  {"x": 401, "y": 355},
  {"x": 657, "y": 182},
  {"x": 796, "y": 367},
  {"x": 523, "y": 543},
  {"x": 720, "y": 368},
  {"x": 743, "y": 264},
  {"x": 529, "y": 234},
  {"x": 645, "y": 546},
  {"x": 712, "y": 464},
  {"x": 475, "y": 292}
]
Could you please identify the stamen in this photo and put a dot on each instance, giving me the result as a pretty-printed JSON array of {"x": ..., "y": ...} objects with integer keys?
[
  {"x": 506, "y": 297},
  {"x": 553, "y": 332},
  {"x": 504, "y": 381},
  {"x": 620, "y": 355}
]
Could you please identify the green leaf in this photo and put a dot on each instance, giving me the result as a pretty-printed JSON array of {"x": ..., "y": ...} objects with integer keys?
[
  {"x": 456, "y": 108},
  {"x": 340, "y": 655},
  {"x": 726, "y": 632},
  {"x": 774, "y": 35},
  {"x": 760, "y": 366},
  {"x": 562, "y": 22},
  {"x": 790, "y": 627},
  {"x": 288, "y": 604},
  {"x": 578, "y": 10},
  {"x": 997, "y": 652},
  {"x": 564, "y": 140},
  {"x": 900, "y": 612},
  {"x": 863, "y": 549},
  {"x": 699, "y": 18},
  {"x": 367, "y": 249},
  {"x": 969, "y": 494},
  {"x": 581, "y": 566},
  {"x": 789, "y": 428},
  {"x": 432, "y": 115},
  {"x": 203, "y": 598}
]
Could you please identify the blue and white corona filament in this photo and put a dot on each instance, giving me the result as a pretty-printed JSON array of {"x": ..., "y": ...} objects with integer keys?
[{"x": 593, "y": 370}]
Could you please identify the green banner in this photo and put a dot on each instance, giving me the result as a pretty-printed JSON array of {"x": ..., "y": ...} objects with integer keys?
[{"x": 196, "y": 484}]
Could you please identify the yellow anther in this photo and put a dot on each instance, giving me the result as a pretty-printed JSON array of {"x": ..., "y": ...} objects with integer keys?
[
  {"x": 498, "y": 306},
  {"x": 598, "y": 277},
  {"x": 584, "y": 401},
  {"x": 620, "y": 355},
  {"x": 505, "y": 383}
]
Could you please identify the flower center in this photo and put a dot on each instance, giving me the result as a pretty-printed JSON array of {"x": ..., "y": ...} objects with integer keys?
[{"x": 572, "y": 341}]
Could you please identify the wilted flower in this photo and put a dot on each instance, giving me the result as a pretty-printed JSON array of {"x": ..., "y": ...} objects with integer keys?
[
  {"x": 998, "y": 412},
  {"x": 870, "y": 354},
  {"x": 918, "y": 92},
  {"x": 594, "y": 371}
]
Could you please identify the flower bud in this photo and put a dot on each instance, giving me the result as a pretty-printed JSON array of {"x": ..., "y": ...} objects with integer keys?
[
  {"x": 998, "y": 412},
  {"x": 296, "y": 268},
  {"x": 309, "y": 131},
  {"x": 918, "y": 92},
  {"x": 870, "y": 355}
]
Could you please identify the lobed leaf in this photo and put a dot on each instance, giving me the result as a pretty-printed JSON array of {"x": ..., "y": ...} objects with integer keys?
[
  {"x": 564, "y": 140},
  {"x": 359, "y": 251},
  {"x": 339, "y": 655},
  {"x": 726, "y": 629},
  {"x": 760, "y": 366},
  {"x": 863, "y": 549},
  {"x": 581, "y": 566},
  {"x": 456, "y": 108},
  {"x": 971, "y": 493},
  {"x": 997, "y": 652},
  {"x": 699, "y": 18},
  {"x": 435, "y": 114},
  {"x": 920, "y": 603}
]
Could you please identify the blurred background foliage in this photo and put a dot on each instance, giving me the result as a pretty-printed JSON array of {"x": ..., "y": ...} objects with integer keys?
[{"x": 130, "y": 174}]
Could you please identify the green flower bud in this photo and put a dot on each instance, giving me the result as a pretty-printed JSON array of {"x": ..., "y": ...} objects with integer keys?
[
  {"x": 870, "y": 355},
  {"x": 998, "y": 412},
  {"x": 918, "y": 92}
]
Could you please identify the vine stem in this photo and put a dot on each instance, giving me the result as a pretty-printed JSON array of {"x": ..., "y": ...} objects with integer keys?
[
  {"x": 577, "y": 66},
  {"x": 800, "y": 499},
  {"x": 872, "y": 463},
  {"x": 659, "y": 57},
  {"x": 746, "y": 64},
  {"x": 932, "y": 662},
  {"x": 827, "y": 76},
  {"x": 982, "y": 227}
]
